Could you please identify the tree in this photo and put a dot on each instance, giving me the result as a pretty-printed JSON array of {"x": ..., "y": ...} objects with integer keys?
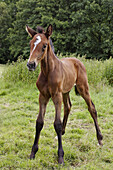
[
  {"x": 92, "y": 20},
  {"x": 4, "y": 25},
  {"x": 41, "y": 13},
  {"x": 82, "y": 27}
]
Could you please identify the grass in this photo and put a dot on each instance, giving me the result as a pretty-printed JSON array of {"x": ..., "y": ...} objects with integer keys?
[
  {"x": 2, "y": 67},
  {"x": 18, "y": 111}
]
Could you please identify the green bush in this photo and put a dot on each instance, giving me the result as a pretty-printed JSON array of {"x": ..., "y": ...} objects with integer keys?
[
  {"x": 98, "y": 72},
  {"x": 94, "y": 69},
  {"x": 108, "y": 72},
  {"x": 18, "y": 71}
]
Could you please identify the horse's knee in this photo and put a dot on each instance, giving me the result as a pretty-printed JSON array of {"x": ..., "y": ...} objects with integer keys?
[
  {"x": 39, "y": 125},
  {"x": 58, "y": 127}
]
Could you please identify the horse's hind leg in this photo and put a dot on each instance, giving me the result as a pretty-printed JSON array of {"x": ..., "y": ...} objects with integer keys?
[
  {"x": 84, "y": 92},
  {"x": 39, "y": 123},
  {"x": 67, "y": 108}
]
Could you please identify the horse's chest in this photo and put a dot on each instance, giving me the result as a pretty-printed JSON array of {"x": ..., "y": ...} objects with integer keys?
[
  {"x": 42, "y": 85},
  {"x": 48, "y": 87}
]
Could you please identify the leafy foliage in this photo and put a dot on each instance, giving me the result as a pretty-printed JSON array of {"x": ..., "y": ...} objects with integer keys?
[
  {"x": 83, "y": 27},
  {"x": 99, "y": 73},
  {"x": 5, "y": 20},
  {"x": 18, "y": 71},
  {"x": 108, "y": 73}
]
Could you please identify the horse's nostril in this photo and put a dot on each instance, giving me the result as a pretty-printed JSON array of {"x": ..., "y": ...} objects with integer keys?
[
  {"x": 34, "y": 64},
  {"x": 31, "y": 66}
]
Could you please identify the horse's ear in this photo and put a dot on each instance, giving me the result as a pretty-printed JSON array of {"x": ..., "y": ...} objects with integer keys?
[
  {"x": 48, "y": 31},
  {"x": 30, "y": 31}
]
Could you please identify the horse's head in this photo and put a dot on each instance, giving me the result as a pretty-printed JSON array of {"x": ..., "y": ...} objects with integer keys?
[{"x": 38, "y": 46}]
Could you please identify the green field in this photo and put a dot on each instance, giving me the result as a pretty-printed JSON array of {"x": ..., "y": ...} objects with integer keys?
[{"x": 18, "y": 112}]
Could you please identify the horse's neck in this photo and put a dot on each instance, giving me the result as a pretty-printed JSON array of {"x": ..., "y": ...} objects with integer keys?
[{"x": 48, "y": 63}]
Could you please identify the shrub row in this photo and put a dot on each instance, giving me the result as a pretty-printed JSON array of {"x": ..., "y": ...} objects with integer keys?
[
  {"x": 18, "y": 71},
  {"x": 97, "y": 71}
]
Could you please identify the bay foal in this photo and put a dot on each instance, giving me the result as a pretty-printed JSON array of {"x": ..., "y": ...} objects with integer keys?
[{"x": 56, "y": 79}]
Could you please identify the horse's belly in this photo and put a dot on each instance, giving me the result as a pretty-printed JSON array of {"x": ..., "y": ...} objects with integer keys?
[
  {"x": 69, "y": 75},
  {"x": 68, "y": 83}
]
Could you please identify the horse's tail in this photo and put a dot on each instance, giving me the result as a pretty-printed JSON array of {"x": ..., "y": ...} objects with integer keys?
[{"x": 76, "y": 91}]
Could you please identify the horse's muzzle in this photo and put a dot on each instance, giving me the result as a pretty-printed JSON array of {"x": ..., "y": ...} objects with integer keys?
[{"x": 31, "y": 66}]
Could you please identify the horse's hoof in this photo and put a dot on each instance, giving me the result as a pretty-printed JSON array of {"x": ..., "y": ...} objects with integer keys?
[
  {"x": 32, "y": 156},
  {"x": 33, "y": 152},
  {"x": 100, "y": 137},
  {"x": 61, "y": 161},
  {"x": 100, "y": 142}
]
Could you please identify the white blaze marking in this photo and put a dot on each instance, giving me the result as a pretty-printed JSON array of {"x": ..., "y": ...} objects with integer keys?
[{"x": 38, "y": 40}]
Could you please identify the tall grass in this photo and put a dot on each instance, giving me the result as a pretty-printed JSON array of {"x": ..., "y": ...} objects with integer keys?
[
  {"x": 99, "y": 72},
  {"x": 108, "y": 73},
  {"x": 18, "y": 71}
]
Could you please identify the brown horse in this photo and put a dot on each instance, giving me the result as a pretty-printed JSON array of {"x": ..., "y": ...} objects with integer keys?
[{"x": 56, "y": 79}]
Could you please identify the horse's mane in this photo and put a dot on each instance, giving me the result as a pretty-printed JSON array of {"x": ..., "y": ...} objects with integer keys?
[{"x": 40, "y": 30}]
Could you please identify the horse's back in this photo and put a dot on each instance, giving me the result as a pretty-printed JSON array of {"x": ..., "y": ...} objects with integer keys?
[
  {"x": 76, "y": 62},
  {"x": 73, "y": 65}
]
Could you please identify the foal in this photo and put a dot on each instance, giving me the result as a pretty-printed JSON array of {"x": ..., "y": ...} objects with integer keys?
[{"x": 56, "y": 79}]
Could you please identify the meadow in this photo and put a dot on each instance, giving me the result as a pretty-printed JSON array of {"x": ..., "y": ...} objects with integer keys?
[{"x": 18, "y": 112}]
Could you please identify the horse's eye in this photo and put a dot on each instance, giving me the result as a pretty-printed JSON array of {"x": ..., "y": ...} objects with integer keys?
[{"x": 44, "y": 47}]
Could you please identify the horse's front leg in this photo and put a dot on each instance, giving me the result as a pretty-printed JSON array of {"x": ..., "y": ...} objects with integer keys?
[
  {"x": 39, "y": 123},
  {"x": 57, "y": 99}
]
